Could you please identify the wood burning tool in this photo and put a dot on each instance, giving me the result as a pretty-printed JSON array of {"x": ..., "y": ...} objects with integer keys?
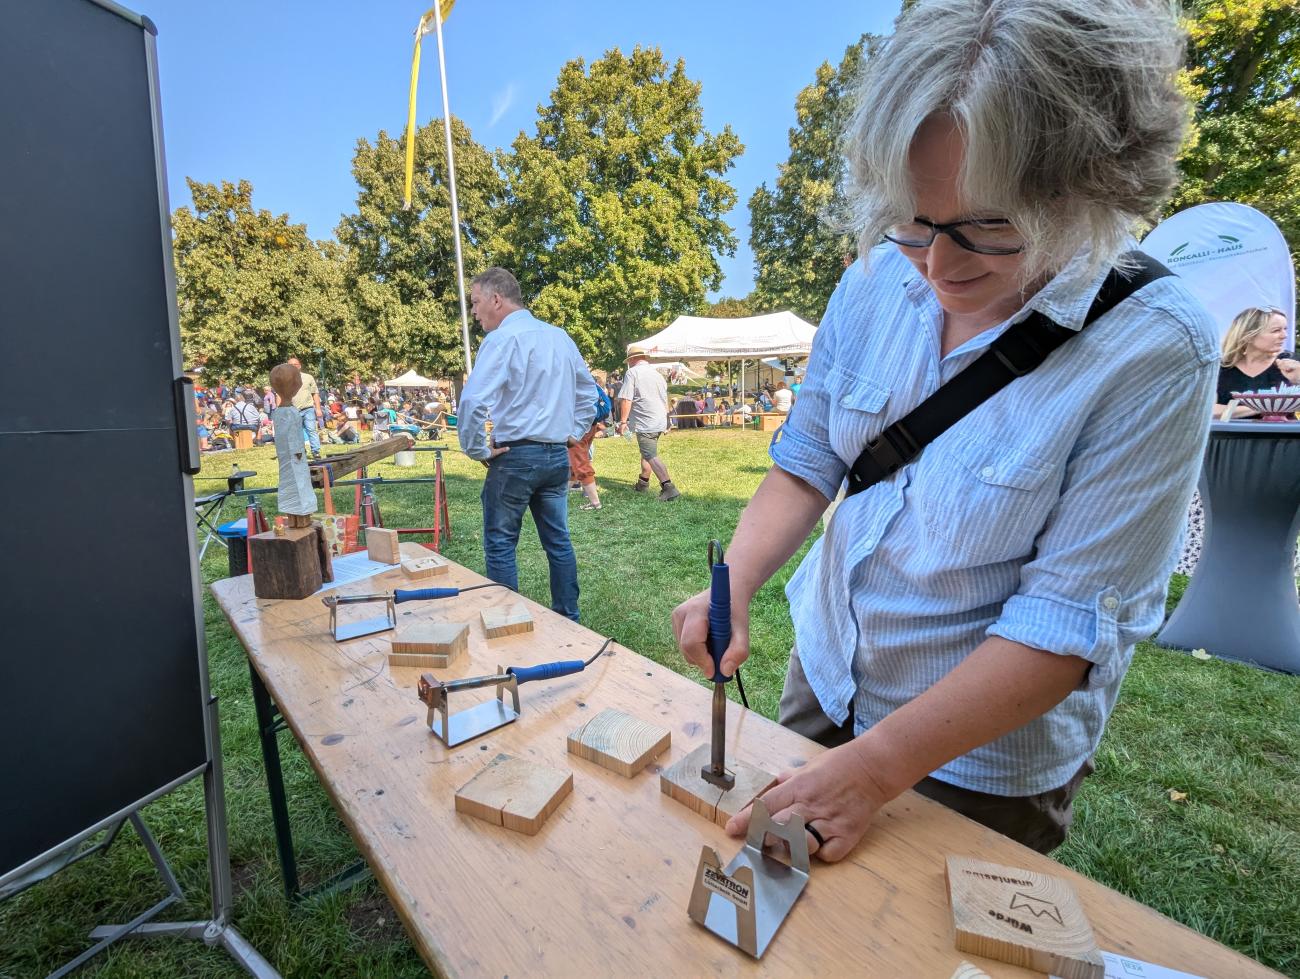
[
  {"x": 454, "y": 729},
  {"x": 366, "y": 627},
  {"x": 719, "y": 638}
]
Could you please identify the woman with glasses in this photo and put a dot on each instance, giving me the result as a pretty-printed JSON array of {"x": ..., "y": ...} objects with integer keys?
[{"x": 962, "y": 626}]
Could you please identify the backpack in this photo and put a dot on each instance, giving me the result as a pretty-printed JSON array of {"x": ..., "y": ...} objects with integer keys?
[{"x": 604, "y": 407}]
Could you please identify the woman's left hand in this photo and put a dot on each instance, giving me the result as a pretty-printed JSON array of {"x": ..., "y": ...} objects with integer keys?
[{"x": 836, "y": 792}]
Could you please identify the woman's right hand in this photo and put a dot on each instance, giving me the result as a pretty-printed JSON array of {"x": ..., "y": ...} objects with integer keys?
[{"x": 691, "y": 630}]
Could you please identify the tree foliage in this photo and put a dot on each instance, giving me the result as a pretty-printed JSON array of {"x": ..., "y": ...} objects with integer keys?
[
  {"x": 251, "y": 287},
  {"x": 1243, "y": 71},
  {"x": 798, "y": 256},
  {"x": 616, "y": 204},
  {"x": 401, "y": 264}
]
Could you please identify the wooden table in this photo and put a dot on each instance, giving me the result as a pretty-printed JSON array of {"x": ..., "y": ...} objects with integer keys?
[{"x": 603, "y": 887}]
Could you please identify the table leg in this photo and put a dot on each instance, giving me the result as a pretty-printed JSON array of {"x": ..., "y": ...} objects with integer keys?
[{"x": 269, "y": 725}]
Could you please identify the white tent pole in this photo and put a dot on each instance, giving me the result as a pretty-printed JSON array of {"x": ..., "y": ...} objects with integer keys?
[{"x": 451, "y": 185}]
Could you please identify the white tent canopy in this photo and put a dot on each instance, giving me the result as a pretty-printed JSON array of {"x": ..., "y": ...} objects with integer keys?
[
  {"x": 706, "y": 338},
  {"x": 410, "y": 380}
]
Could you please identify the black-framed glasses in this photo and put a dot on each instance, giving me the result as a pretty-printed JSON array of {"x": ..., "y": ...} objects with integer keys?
[{"x": 987, "y": 236}]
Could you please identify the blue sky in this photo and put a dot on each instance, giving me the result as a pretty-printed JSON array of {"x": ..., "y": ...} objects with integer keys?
[{"x": 278, "y": 92}]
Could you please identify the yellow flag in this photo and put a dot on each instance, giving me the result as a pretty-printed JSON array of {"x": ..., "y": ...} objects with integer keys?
[{"x": 427, "y": 25}]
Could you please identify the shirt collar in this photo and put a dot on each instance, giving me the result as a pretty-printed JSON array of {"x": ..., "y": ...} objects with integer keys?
[{"x": 517, "y": 318}]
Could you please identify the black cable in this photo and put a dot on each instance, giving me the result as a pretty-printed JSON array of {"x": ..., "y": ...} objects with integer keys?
[
  {"x": 741, "y": 687},
  {"x": 490, "y": 584},
  {"x": 593, "y": 659}
]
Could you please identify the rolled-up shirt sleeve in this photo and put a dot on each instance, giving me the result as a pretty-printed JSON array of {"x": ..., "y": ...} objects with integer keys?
[
  {"x": 802, "y": 445},
  {"x": 1097, "y": 581}
]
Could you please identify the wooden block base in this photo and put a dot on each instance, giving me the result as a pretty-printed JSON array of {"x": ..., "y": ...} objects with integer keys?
[
  {"x": 514, "y": 793},
  {"x": 683, "y": 782},
  {"x": 419, "y": 562},
  {"x": 506, "y": 620},
  {"x": 381, "y": 545},
  {"x": 1021, "y": 917},
  {"x": 432, "y": 645},
  {"x": 619, "y": 742},
  {"x": 285, "y": 565}
]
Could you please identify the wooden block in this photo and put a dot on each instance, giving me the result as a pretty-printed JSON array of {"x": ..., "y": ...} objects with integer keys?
[
  {"x": 420, "y": 562},
  {"x": 683, "y": 782},
  {"x": 506, "y": 620},
  {"x": 1021, "y": 917},
  {"x": 514, "y": 793},
  {"x": 285, "y": 565},
  {"x": 323, "y": 553},
  {"x": 381, "y": 545},
  {"x": 619, "y": 742},
  {"x": 433, "y": 645}
]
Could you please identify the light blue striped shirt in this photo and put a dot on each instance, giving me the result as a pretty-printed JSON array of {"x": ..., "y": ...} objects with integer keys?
[
  {"x": 531, "y": 380},
  {"x": 1049, "y": 516}
]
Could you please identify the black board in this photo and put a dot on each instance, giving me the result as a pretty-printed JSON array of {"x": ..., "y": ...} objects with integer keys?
[{"x": 101, "y": 702}]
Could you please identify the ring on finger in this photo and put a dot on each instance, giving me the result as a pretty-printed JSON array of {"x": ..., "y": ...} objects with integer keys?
[{"x": 821, "y": 840}]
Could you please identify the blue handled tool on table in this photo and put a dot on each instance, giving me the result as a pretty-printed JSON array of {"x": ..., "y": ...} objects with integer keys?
[
  {"x": 719, "y": 638},
  {"x": 367, "y": 627},
  {"x": 456, "y": 729}
]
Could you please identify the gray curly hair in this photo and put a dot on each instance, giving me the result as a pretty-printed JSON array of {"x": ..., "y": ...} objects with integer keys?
[{"x": 1070, "y": 111}]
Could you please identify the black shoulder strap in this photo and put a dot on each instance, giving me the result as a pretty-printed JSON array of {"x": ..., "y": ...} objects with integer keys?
[{"x": 1014, "y": 354}]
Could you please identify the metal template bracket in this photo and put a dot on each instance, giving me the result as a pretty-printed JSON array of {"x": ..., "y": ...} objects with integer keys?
[
  {"x": 366, "y": 627},
  {"x": 746, "y": 903},
  {"x": 456, "y": 729}
]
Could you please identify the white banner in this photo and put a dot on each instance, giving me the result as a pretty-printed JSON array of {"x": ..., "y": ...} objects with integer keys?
[{"x": 1230, "y": 256}]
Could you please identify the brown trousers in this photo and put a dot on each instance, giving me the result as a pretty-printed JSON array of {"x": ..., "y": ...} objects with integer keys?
[{"x": 1040, "y": 821}]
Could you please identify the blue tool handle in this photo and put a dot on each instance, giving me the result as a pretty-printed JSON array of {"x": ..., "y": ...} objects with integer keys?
[
  {"x": 547, "y": 671},
  {"x": 420, "y": 594},
  {"x": 719, "y": 618}
]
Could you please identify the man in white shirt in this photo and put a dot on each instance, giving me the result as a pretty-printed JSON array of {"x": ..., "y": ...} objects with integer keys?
[
  {"x": 531, "y": 380},
  {"x": 643, "y": 409}
]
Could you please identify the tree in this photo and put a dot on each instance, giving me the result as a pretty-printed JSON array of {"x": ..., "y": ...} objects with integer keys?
[
  {"x": 401, "y": 264},
  {"x": 1243, "y": 71},
  {"x": 252, "y": 288},
  {"x": 615, "y": 221},
  {"x": 798, "y": 256}
]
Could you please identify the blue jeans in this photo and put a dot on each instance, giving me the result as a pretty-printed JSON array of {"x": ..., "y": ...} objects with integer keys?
[
  {"x": 531, "y": 477},
  {"x": 309, "y": 426}
]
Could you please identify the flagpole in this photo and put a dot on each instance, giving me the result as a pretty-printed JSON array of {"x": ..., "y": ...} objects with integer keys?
[{"x": 451, "y": 183}]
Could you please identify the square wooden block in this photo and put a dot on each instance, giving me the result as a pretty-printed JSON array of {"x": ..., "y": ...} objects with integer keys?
[
  {"x": 683, "y": 782},
  {"x": 432, "y": 645},
  {"x": 619, "y": 742},
  {"x": 1021, "y": 917},
  {"x": 285, "y": 565},
  {"x": 419, "y": 562},
  {"x": 514, "y": 793},
  {"x": 381, "y": 545},
  {"x": 506, "y": 620}
]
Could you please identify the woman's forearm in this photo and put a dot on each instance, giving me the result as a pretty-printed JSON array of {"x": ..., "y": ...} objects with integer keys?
[{"x": 1001, "y": 686}]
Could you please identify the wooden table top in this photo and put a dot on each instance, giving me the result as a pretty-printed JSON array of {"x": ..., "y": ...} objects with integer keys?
[{"x": 603, "y": 887}]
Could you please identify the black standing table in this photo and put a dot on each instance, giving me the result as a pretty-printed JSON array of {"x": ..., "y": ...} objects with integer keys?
[{"x": 1241, "y": 603}]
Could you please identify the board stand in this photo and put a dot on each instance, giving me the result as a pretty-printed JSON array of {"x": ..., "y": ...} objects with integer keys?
[
  {"x": 456, "y": 729},
  {"x": 366, "y": 627},
  {"x": 746, "y": 903}
]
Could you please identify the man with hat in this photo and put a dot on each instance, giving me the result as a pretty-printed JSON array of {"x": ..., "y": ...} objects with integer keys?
[{"x": 643, "y": 408}]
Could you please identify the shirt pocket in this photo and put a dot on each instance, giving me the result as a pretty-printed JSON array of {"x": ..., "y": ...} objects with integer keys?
[
  {"x": 857, "y": 412},
  {"x": 987, "y": 498}
]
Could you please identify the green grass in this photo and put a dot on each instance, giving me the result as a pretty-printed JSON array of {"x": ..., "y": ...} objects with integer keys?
[{"x": 1225, "y": 861}]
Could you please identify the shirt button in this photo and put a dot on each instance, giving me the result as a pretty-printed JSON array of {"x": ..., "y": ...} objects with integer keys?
[
  {"x": 987, "y": 472},
  {"x": 1111, "y": 603},
  {"x": 844, "y": 400}
]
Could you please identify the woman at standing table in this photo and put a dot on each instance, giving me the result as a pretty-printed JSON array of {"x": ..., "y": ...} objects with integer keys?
[
  {"x": 1252, "y": 358},
  {"x": 963, "y": 626}
]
